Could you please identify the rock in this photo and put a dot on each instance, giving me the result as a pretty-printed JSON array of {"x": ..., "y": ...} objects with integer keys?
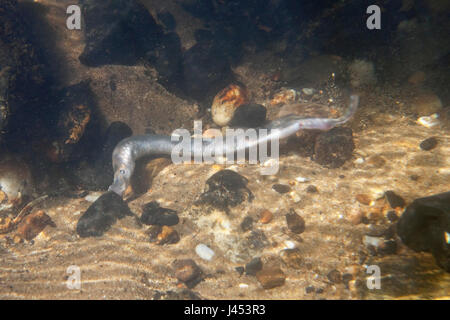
[
  {"x": 281, "y": 188},
  {"x": 425, "y": 226},
  {"x": 117, "y": 32},
  {"x": 334, "y": 147},
  {"x": 311, "y": 189},
  {"x": 426, "y": 104},
  {"x": 15, "y": 182},
  {"x": 33, "y": 224},
  {"x": 226, "y": 102},
  {"x": 249, "y": 116},
  {"x": 429, "y": 121},
  {"x": 187, "y": 271},
  {"x": 428, "y": 144},
  {"x": 247, "y": 224},
  {"x": 395, "y": 201},
  {"x": 204, "y": 252},
  {"x": 363, "y": 199},
  {"x": 265, "y": 216},
  {"x": 309, "y": 289},
  {"x": 355, "y": 216},
  {"x": 271, "y": 277},
  {"x": 334, "y": 276},
  {"x": 240, "y": 270},
  {"x": 101, "y": 215},
  {"x": 392, "y": 216},
  {"x": 292, "y": 258},
  {"x": 153, "y": 214},
  {"x": 167, "y": 236},
  {"x": 225, "y": 189},
  {"x": 253, "y": 266},
  {"x": 295, "y": 223}
]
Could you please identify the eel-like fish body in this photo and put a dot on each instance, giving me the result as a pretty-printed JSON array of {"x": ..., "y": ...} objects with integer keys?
[{"x": 131, "y": 149}]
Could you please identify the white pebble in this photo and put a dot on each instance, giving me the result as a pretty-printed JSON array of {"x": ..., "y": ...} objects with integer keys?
[
  {"x": 204, "y": 252},
  {"x": 429, "y": 121},
  {"x": 359, "y": 160},
  {"x": 373, "y": 241},
  {"x": 243, "y": 285},
  {"x": 302, "y": 179},
  {"x": 289, "y": 244},
  {"x": 308, "y": 91}
]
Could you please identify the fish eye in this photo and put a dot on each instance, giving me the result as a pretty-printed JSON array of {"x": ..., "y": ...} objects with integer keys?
[{"x": 122, "y": 171}]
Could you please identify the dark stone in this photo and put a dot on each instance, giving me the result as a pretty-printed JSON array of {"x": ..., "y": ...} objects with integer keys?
[
  {"x": 102, "y": 214},
  {"x": 240, "y": 270},
  {"x": 225, "y": 189},
  {"x": 153, "y": 214},
  {"x": 117, "y": 32},
  {"x": 309, "y": 289},
  {"x": 394, "y": 199},
  {"x": 271, "y": 277},
  {"x": 253, "y": 266},
  {"x": 295, "y": 223},
  {"x": 247, "y": 223},
  {"x": 425, "y": 226},
  {"x": 392, "y": 216},
  {"x": 428, "y": 144},
  {"x": 334, "y": 147},
  {"x": 334, "y": 276},
  {"x": 249, "y": 116},
  {"x": 187, "y": 271},
  {"x": 281, "y": 188},
  {"x": 346, "y": 278},
  {"x": 312, "y": 189}
]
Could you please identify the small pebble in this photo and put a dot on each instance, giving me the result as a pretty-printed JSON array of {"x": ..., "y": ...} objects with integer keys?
[
  {"x": 302, "y": 179},
  {"x": 428, "y": 144},
  {"x": 334, "y": 276},
  {"x": 243, "y": 285},
  {"x": 394, "y": 199},
  {"x": 292, "y": 258},
  {"x": 392, "y": 216},
  {"x": 309, "y": 289},
  {"x": 253, "y": 266},
  {"x": 247, "y": 223},
  {"x": 33, "y": 224},
  {"x": 376, "y": 161},
  {"x": 271, "y": 277},
  {"x": 240, "y": 270},
  {"x": 153, "y": 214},
  {"x": 372, "y": 241},
  {"x": 289, "y": 244},
  {"x": 355, "y": 216},
  {"x": 312, "y": 189},
  {"x": 308, "y": 91},
  {"x": 429, "y": 121},
  {"x": 187, "y": 271},
  {"x": 363, "y": 199},
  {"x": 204, "y": 252},
  {"x": 265, "y": 216},
  {"x": 281, "y": 188},
  {"x": 295, "y": 223},
  {"x": 167, "y": 236}
]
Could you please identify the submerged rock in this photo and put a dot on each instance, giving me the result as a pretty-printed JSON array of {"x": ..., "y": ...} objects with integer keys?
[
  {"x": 153, "y": 214},
  {"x": 225, "y": 189},
  {"x": 428, "y": 144},
  {"x": 33, "y": 224},
  {"x": 102, "y": 214},
  {"x": 334, "y": 147},
  {"x": 187, "y": 271},
  {"x": 294, "y": 222},
  {"x": 425, "y": 226},
  {"x": 271, "y": 277}
]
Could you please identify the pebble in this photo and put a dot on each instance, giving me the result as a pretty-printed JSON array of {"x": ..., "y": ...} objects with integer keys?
[
  {"x": 334, "y": 276},
  {"x": 253, "y": 266},
  {"x": 376, "y": 161},
  {"x": 429, "y": 121},
  {"x": 372, "y": 241},
  {"x": 355, "y": 216},
  {"x": 309, "y": 289},
  {"x": 270, "y": 278},
  {"x": 428, "y": 144},
  {"x": 395, "y": 201},
  {"x": 312, "y": 189},
  {"x": 226, "y": 102},
  {"x": 167, "y": 236},
  {"x": 187, "y": 271},
  {"x": 292, "y": 258},
  {"x": 33, "y": 224},
  {"x": 363, "y": 199},
  {"x": 281, "y": 188},
  {"x": 247, "y": 223},
  {"x": 392, "y": 216},
  {"x": 265, "y": 217},
  {"x": 302, "y": 179},
  {"x": 240, "y": 270},
  {"x": 153, "y": 214},
  {"x": 204, "y": 252},
  {"x": 289, "y": 244},
  {"x": 295, "y": 223},
  {"x": 308, "y": 91}
]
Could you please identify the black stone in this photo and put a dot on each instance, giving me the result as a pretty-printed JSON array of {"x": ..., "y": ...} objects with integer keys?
[
  {"x": 153, "y": 214},
  {"x": 334, "y": 147},
  {"x": 392, "y": 216},
  {"x": 428, "y": 144},
  {"x": 253, "y": 266},
  {"x": 295, "y": 223},
  {"x": 249, "y": 116},
  {"x": 240, "y": 270},
  {"x": 281, "y": 188},
  {"x": 102, "y": 214},
  {"x": 425, "y": 226},
  {"x": 225, "y": 189},
  {"x": 247, "y": 223},
  {"x": 394, "y": 199}
]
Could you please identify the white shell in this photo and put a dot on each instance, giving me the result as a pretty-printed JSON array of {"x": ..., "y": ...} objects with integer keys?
[{"x": 204, "y": 252}]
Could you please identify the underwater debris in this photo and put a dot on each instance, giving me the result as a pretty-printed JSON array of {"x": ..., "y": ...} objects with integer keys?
[
  {"x": 188, "y": 272},
  {"x": 226, "y": 102},
  {"x": 225, "y": 189},
  {"x": 425, "y": 225},
  {"x": 249, "y": 116},
  {"x": 102, "y": 214},
  {"x": 334, "y": 147},
  {"x": 428, "y": 144},
  {"x": 153, "y": 214}
]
